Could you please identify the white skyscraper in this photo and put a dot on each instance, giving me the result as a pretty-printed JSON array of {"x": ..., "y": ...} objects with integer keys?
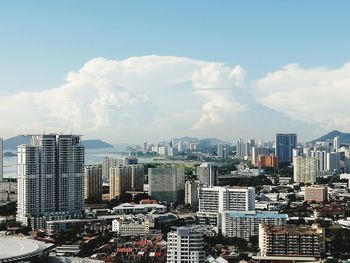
[
  {"x": 214, "y": 200},
  {"x": 336, "y": 143},
  {"x": 185, "y": 245},
  {"x": 50, "y": 179}
]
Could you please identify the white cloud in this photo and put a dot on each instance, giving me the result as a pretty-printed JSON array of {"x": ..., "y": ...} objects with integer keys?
[
  {"x": 138, "y": 98},
  {"x": 318, "y": 96}
]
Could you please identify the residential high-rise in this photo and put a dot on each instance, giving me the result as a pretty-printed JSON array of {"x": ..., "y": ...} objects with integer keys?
[
  {"x": 166, "y": 183},
  {"x": 244, "y": 224},
  {"x": 191, "y": 192},
  {"x": 214, "y": 200},
  {"x": 93, "y": 182},
  {"x": 336, "y": 143},
  {"x": 268, "y": 161},
  {"x": 207, "y": 174},
  {"x": 50, "y": 179},
  {"x": 222, "y": 150},
  {"x": 109, "y": 162},
  {"x": 288, "y": 241},
  {"x": 125, "y": 178},
  {"x": 305, "y": 169},
  {"x": 285, "y": 143},
  {"x": 185, "y": 245}
]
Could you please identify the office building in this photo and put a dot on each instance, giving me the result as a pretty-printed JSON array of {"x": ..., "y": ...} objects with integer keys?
[
  {"x": 214, "y": 200},
  {"x": 291, "y": 241},
  {"x": 185, "y": 245},
  {"x": 50, "y": 179},
  {"x": 207, "y": 174},
  {"x": 268, "y": 161},
  {"x": 93, "y": 182},
  {"x": 191, "y": 192},
  {"x": 244, "y": 224},
  {"x": 316, "y": 193},
  {"x": 305, "y": 169},
  {"x": 285, "y": 143},
  {"x": 166, "y": 183}
]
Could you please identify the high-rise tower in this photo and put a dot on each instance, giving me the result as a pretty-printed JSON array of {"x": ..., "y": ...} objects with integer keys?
[{"x": 50, "y": 179}]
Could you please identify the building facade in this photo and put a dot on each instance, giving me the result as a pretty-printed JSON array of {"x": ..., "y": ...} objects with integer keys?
[
  {"x": 285, "y": 143},
  {"x": 50, "y": 179},
  {"x": 191, "y": 192},
  {"x": 244, "y": 224},
  {"x": 305, "y": 169},
  {"x": 93, "y": 182},
  {"x": 305, "y": 241},
  {"x": 214, "y": 200},
  {"x": 316, "y": 193},
  {"x": 207, "y": 174},
  {"x": 185, "y": 245},
  {"x": 268, "y": 161},
  {"x": 166, "y": 183}
]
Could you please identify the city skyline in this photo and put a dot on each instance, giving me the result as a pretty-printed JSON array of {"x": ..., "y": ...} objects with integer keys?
[{"x": 115, "y": 72}]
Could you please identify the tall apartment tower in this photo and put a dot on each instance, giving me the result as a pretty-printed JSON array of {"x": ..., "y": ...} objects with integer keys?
[
  {"x": 93, "y": 182},
  {"x": 207, "y": 174},
  {"x": 50, "y": 179},
  {"x": 1, "y": 159},
  {"x": 191, "y": 192},
  {"x": 305, "y": 169},
  {"x": 166, "y": 183},
  {"x": 285, "y": 143},
  {"x": 185, "y": 245}
]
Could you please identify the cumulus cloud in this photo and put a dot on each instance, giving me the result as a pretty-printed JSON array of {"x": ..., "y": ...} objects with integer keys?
[
  {"x": 318, "y": 96},
  {"x": 137, "y": 98}
]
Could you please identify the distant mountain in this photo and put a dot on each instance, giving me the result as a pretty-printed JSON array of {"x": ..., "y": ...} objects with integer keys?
[
  {"x": 13, "y": 142},
  {"x": 344, "y": 137},
  {"x": 96, "y": 144}
]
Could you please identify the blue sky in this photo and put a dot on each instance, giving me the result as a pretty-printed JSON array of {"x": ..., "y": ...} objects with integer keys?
[{"x": 42, "y": 41}]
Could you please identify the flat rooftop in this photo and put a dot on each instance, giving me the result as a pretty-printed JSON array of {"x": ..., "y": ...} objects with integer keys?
[{"x": 18, "y": 247}]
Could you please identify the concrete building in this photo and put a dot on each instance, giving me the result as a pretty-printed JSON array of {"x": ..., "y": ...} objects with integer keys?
[
  {"x": 268, "y": 161},
  {"x": 50, "y": 179},
  {"x": 166, "y": 183},
  {"x": 260, "y": 150},
  {"x": 305, "y": 169},
  {"x": 130, "y": 227},
  {"x": 285, "y": 143},
  {"x": 244, "y": 224},
  {"x": 125, "y": 178},
  {"x": 316, "y": 193},
  {"x": 222, "y": 150},
  {"x": 291, "y": 241},
  {"x": 207, "y": 174},
  {"x": 93, "y": 182},
  {"x": 191, "y": 192},
  {"x": 185, "y": 245},
  {"x": 214, "y": 200},
  {"x": 109, "y": 162}
]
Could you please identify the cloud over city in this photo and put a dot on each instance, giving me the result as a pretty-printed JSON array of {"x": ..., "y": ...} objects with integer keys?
[{"x": 149, "y": 97}]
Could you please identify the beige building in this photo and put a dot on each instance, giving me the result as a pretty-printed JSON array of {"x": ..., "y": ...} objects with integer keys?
[
  {"x": 191, "y": 192},
  {"x": 316, "y": 193},
  {"x": 291, "y": 241},
  {"x": 305, "y": 169},
  {"x": 93, "y": 182},
  {"x": 125, "y": 178}
]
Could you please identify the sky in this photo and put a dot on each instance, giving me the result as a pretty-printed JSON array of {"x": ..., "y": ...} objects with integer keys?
[{"x": 134, "y": 71}]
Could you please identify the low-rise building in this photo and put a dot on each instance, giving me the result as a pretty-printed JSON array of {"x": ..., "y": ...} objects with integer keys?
[
  {"x": 316, "y": 193},
  {"x": 128, "y": 208},
  {"x": 130, "y": 227}
]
